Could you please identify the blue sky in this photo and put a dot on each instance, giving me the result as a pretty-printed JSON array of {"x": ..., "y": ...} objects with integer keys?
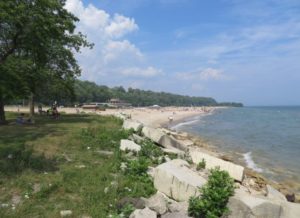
[{"x": 232, "y": 50}]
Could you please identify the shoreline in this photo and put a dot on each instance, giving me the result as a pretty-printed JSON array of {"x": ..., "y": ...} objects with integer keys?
[
  {"x": 158, "y": 118},
  {"x": 243, "y": 159}
]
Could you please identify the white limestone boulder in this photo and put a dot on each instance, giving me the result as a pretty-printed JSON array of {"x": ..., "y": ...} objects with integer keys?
[
  {"x": 234, "y": 170},
  {"x": 143, "y": 213},
  {"x": 120, "y": 116},
  {"x": 244, "y": 205},
  {"x": 290, "y": 210},
  {"x": 158, "y": 203},
  {"x": 129, "y": 145},
  {"x": 173, "y": 151},
  {"x": 132, "y": 124},
  {"x": 174, "y": 206},
  {"x": 177, "y": 181},
  {"x": 176, "y": 215},
  {"x": 136, "y": 138},
  {"x": 66, "y": 213},
  {"x": 272, "y": 193},
  {"x": 161, "y": 138}
]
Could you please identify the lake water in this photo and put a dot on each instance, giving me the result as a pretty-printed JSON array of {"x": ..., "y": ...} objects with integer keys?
[{"x": 266, "y": 139}]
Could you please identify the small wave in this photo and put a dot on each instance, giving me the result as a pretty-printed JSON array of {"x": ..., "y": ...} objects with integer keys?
[
  {"x": 177, "y": 126},
  {"x": 250, "y": 163}
]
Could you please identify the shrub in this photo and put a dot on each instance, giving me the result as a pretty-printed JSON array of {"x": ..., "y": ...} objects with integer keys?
[
  {"x": 137, "y": 167},
  {"x": 201, "y": 165},
  {"x": 172, "y": 156},
  {"x": 215, "y": 196},
  {"x": 149, "y": 149}
]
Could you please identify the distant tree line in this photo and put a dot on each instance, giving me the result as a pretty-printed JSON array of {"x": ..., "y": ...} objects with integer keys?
[{"x": 86, "y": 91}]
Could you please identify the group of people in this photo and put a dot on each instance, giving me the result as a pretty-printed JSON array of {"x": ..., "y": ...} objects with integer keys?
[
  {"x": 21, "y": 119},
  {"x": 53, "y": 111}
]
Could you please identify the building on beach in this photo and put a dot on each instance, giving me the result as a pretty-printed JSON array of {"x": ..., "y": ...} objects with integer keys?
[{"x": 118, "y": 103}]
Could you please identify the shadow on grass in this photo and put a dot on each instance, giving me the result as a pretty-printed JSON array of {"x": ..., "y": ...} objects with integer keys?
[
  {"x": 15, "y": 159},
  {"x": 15, "y": 154},
  {"x": 15, "y": 133}
]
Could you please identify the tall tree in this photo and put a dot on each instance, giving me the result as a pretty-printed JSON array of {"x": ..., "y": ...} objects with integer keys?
[{"x": 43, "y": 33}]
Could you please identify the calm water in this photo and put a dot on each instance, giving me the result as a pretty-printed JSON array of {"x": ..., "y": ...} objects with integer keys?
[{"x": 266, "y": 139}]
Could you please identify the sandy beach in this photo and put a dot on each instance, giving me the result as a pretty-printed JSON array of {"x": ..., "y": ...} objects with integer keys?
[{"x": 161, "y": 117}]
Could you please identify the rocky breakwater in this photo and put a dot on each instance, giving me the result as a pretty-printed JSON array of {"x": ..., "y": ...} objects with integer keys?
[{"x": 179, "y": 179}]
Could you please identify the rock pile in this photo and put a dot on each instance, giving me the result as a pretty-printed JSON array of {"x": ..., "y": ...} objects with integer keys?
[{"x": 177, "y": 180}]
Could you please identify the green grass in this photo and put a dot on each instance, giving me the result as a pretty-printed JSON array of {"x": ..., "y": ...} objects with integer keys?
[{"x": 52, "y": 153}]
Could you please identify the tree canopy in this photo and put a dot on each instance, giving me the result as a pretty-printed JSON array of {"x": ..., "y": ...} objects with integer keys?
[
  {"x": 37, "y": 45},
  {"x": 86, "y": 91}
]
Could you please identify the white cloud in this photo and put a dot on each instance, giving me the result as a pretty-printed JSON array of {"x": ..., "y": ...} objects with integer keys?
[
  {"x": 120, "y": 25},
  {"x": 140, "y": 72},
  {"x": 113, "y": 56},
  {"x": 90, "y": 16},
  {"x": 118, "y": 49},
  {"x": 205, "y": 74},
  {"x": 211, "y": 73}
]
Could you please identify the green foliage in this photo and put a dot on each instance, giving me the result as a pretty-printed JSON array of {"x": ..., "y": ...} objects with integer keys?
[
  {"x": 37, "y": 44},
  {"x": 172, "y": 156},
  {"x": 215, "y": 196},
  {"x": 150, "y": 150},
  {"x": 137, "y": 167},
  {"x": 201, "y": 165},
  {"x": 230, "y": 104},
  {"x": 104, "y": 137},
  {"x": 91, "y": 92},
  {"x": 136, "y": 171},
  {"x": 127, "y": 210},
  {"x": 78, "y": 189},
  {"x": 48, "y": 189}
]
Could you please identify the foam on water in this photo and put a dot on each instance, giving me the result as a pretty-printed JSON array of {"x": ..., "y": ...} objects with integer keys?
[
  {"x": 250, "y": 163},
  {"x": 177, "y": 126}
]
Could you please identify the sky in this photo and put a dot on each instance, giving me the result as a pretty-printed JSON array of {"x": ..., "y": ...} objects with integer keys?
[{"x": 231, "y": 50}]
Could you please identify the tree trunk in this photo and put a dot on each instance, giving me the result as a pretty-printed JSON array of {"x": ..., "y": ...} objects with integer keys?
[
  {"x": 31, "y": 105},
  {"x": 2, "y": 112}
]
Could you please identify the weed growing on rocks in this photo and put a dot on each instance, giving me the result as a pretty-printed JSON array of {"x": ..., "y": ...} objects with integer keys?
[
  {"x": 215, "y": 196},
  {"x": 201, "y": 165},
  {"x": 149, "y": 149}
]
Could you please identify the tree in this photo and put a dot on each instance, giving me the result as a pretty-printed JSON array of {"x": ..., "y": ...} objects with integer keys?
[{"x": 41, "y": 32}]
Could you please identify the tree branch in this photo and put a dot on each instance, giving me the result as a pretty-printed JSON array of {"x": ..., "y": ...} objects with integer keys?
[{"x": 12, "y": 49}]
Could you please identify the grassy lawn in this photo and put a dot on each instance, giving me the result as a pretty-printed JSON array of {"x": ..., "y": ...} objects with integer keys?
[{"x": 56, "y": 165}]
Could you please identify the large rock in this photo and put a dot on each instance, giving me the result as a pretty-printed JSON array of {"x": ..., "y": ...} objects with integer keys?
[
  {"x": 272, "y": 193},
  {"x": 290, "y": 210},
  {"x": 132, "y": 124},
  {"x": 120, "y": 116},
  {"x": 129, "y": 145},
  {"x": 136, "y": 138},
  {"x": 138, "y": 203},
  {"x": 244, "y": 205},
  {"x": 158, "y": 203},
  {"x": 143, "y": 213},
  {"x": 173, "y": 151},
  {"x": 175, "y": 215},
  {"x": 174, "y": 206},
  {"x": 235, "y": 171},
  {"x": 176, "y": 180},
  {"x": 162, "y": 138}
]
